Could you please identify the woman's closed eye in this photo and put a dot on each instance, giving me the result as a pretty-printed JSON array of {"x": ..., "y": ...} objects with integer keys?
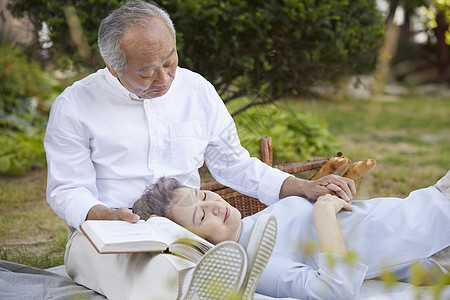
[{"x": 203, "y": 217}]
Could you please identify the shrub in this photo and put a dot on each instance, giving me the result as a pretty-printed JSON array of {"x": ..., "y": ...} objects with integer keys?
[
  {"x": 259, "y": 48},
  {"x": 23, "y": 89},
  {"x": 296, "y": 136},
  {"x": 21, "y": 151},
  {"x": 266, "y": 49}
]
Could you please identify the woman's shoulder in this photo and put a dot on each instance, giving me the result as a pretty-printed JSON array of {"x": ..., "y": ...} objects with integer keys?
[
  {"x": 288, "y": 205},
  {"x": 294, "y": 201}
]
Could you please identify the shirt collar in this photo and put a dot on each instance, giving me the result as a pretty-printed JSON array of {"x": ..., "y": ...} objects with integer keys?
[
  {"x": 244, "y": 232},
  {"x": 116, "y": 83}
]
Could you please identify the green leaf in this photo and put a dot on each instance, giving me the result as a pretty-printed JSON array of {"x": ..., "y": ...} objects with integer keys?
[{"x": 5, "y": 163}]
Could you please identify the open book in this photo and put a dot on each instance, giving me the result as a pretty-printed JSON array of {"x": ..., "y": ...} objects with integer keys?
[{"x": 155, "y": 234}]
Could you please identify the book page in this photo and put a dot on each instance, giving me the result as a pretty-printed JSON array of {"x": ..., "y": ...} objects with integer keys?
[
  {"x": 171, "y": 230},
  {"x": 182, "y": 241},
  {"x": 121, "y": 231},
  {"x": 190, "y": 249}
]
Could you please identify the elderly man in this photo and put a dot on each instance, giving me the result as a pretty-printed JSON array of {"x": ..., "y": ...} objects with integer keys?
[{"x": 140, "y": 118}]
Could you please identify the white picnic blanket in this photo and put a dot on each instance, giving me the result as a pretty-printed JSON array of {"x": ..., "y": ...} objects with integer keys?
[{"x": 23, "y": 282}]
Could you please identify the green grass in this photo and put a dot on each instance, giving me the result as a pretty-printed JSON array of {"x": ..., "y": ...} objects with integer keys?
[
  {"x": 54, "y": 256},
  {"x": 30, "y": 232},
  {"x": 409, "y": 138}
]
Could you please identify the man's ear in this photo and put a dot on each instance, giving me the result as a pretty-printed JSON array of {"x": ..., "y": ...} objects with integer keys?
[{"x": 112, "y": 71}]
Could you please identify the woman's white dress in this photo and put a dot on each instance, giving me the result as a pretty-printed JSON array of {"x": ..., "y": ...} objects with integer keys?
[{"x": 383, "y": 234}]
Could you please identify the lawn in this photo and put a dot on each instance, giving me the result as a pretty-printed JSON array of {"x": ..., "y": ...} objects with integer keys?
[{"x": 409, "y": 138}]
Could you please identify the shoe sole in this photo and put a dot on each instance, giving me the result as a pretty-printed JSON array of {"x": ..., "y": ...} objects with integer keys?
[
  {"x": 261, "y": 244},
  {"x": 443, "y": 185},
  {"x": 219, "y": 274}
]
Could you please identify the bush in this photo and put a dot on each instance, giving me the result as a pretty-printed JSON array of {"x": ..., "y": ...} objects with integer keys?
[
  {"x": 21, "y": 151},
  {"x": 259, "y": 48},
  {"x": 266, "y": 49},
  {"x": 296, "y": 136},
  {"x": 23, "y": 89},
  {"x": 262, "y": 49}
]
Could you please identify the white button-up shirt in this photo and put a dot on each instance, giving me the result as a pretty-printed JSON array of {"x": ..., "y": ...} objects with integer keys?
[
  {"x": 384, "y": 234},
  {"x": 105, "y": 144}
]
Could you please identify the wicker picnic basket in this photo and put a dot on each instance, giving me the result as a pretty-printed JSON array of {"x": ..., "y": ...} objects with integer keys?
[{"x": 248, "y": 205}]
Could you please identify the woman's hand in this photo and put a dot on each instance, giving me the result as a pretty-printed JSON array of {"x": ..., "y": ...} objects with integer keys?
[
  {"x": 101, "y": 212},
  {"x": 333, "y": 203}
]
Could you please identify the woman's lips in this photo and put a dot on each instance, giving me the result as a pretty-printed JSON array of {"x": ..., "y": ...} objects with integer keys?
[{"x": 227, "y": 214}]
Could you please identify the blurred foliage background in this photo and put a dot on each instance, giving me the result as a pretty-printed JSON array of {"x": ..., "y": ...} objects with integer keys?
[{"x": 254, "y": 52}]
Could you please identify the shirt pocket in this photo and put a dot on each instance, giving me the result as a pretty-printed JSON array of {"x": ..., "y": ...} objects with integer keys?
[{"x": 188, "y": 144}]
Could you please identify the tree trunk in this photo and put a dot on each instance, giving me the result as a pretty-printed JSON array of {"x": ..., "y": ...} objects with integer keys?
[
  {"x": 442, "y": 48},
  {"x": 386, "y": 53},
  {"x": 76, "y": 33}
]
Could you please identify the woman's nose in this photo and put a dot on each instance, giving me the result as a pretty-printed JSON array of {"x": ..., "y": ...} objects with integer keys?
[{"x": 214, "y": 208}]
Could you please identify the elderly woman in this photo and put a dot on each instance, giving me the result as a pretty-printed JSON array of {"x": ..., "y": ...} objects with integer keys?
[{"x": 382, "y": 234}]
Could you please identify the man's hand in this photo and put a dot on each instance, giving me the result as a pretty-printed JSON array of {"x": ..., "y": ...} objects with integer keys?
[
  {"x": 330, "y": 184},
  {"x": 101, "y": 212}
]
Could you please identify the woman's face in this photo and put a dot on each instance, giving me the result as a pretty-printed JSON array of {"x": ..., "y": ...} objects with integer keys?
[{"x": 206, "y": 214}]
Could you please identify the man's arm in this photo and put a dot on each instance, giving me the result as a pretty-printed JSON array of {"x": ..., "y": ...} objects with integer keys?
[
  {"x": 231, "y": 165},
  {"x": 330, "y": 184},
  {"x": 71, "y": 184}
]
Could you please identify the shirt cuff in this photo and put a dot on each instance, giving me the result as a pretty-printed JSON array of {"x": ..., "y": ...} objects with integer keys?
[
  {"x": 77, "y": 210},
  {"x": 270, "y": 185},
  {"x": 343, "y": 273}
]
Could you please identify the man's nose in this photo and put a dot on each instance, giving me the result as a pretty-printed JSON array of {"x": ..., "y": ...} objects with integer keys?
[{"x": 163, "y": 76}]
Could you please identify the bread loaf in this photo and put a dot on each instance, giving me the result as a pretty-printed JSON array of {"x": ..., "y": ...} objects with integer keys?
[
  {"x": 360, "y": 168},
  {"x": 335, "y": 165}
]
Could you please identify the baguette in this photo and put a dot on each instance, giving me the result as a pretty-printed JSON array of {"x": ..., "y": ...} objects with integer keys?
[
  {"x": 360, "y": 168},
  {"x": 335, "y": 165}
]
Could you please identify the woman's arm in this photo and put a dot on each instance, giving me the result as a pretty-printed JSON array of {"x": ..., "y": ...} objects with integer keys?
[
  {"x": 324, "y": 215},
  {"x": 332, "y": 276}
]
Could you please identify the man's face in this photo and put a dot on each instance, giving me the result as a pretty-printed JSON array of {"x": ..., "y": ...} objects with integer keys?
[
  {"x": 152, "y": 60},
  {"x": 206, "y": 214}
]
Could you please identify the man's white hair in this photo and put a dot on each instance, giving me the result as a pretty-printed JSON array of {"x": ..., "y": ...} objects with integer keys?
[{"x": 112, "y": 28}]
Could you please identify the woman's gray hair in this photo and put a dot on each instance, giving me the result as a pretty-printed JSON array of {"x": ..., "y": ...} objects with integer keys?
[
  {"x": 157, "y": 199},
  {"x": 112, "y": 28}
]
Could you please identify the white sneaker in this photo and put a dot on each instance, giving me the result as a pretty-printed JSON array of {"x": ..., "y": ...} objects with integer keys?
[
  {"x": 443, "y": 185},
  {"x": 258, "y": 244},
  {"x": 219, "y": 274}
]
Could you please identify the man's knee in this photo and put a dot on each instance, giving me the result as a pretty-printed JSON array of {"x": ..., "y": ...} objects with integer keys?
[{"x": 155, "y": 277}]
